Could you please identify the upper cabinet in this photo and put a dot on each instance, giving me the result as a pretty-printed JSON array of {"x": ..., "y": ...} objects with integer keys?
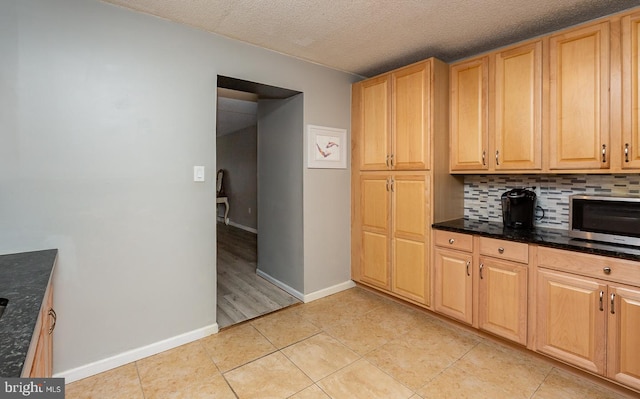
[
  {"x": 630, "y": 106},
  {"x": 579, "y": 98},
  {"x": 517, "y": 108},
  {"x": 496, "y": 111},
  {"x": 469, "y": 109},
  {"x": 394, "y": 120}
]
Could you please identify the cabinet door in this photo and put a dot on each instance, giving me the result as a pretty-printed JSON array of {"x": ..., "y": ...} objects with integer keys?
[
  {"x": 453, "y": 288},
  {"x": 502, "y": 307},
  {"x": 410, "y": 117},
  {"x": 623, "y": 339},
  {"x": 630, "y": 96},
  {"x": 375, "y": 139},
  {"x": 517, "y": 131},
  {"x": 375, "y": 208},
  {"x": 579, "y": 98},
  {"x": 571, "y": 319},
  {"x": 469, "y": 118},
  {"x": 410, "y": 241}
]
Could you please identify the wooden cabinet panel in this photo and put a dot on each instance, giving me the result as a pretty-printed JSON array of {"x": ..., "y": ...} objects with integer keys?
[
  {"x": 579, "y": 98},
  {"x": 517, "y": 130},
  {"x": 571, "y": 319},
  {"x": 469, "y": 118},
  {"x": 411, "y": 270},
  {"x": 454, "y": 288},
  {"x": 630, "y": 95},
  {"x": 623, "y": 340},
  {"x": 375, "y": 214},
  {"x": 410, "y": 119},
  {"x": 375, "y": 139},
  {"x": 502, "y": 302},
  {"x": 411, "y": 224}
]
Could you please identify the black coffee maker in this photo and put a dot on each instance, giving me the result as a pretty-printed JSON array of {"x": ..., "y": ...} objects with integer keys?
[{"x": 518, "y": 206}]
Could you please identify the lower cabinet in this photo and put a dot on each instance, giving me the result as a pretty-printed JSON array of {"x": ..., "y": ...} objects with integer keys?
[
  {"x": 502, "y": 302},
  {"x": 454, "y": 284},
  {"x": 39, "y": 362},
  {"x": 395, "y": 234},
  {"x": 590, "y": 319}
]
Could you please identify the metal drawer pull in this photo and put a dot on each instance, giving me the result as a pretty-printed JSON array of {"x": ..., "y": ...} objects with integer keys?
[
  {"x": 501, "y": 250},
  {"x": 387, "y": 184},
  {"x": 601, "y": 301},
  {"x": 53, "y": 314},
  {"x": 604, "y": 153},
  {"x": 626, "y": 152},
  {"x": 607, "y": 270},
  {"x": 468, "y": 264},
  {"x": 393, "y": 190},
  {"x": 392, "y": 165},
  {"x": 451, "y": 241},
  {"x": 497, "y": 158},
  {"x": 481, "y": 267},
  {"x": 613, "y": 304},
  {"x": 484, "y": 154}
]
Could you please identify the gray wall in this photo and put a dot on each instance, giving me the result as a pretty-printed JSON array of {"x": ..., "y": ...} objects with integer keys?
[
  {"x": 280, "y": 233},
  {"x": 104, "y": 113},
  {"x": 237, "y": 155}
]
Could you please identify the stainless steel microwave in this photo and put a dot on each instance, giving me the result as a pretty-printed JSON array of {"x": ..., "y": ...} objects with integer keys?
[{"x": 608, "y": 219}]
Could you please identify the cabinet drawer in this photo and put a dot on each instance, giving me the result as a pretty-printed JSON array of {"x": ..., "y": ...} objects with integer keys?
[
  {"x": 600, "y": 267},
  {"x": 459, "y": 241},
  {"x": 509, "y": 250}
]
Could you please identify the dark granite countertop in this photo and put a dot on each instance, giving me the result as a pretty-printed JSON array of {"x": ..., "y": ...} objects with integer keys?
[
  {"x": 554, "y": 238},
  {"x": 23, "y": 280}
]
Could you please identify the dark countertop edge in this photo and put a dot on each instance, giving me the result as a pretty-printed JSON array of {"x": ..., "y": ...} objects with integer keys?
[
  {"x": 546, "y": 237},
  {"x": 24, "y": 344}
]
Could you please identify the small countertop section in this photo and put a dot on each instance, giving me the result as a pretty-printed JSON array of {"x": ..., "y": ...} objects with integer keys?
[
  {"x": 23, "y": 280},
  {"x": 554, "y": 238}
]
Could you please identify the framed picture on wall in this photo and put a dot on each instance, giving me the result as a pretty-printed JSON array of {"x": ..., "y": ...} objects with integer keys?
[{"x": 327, "y": 147}]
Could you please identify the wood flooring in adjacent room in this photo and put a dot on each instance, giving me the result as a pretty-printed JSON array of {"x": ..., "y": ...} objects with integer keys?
[{"x": 242, "y": 294}]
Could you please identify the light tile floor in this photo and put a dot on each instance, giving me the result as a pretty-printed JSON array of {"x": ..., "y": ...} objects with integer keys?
[{"x": 351, "y": 345}]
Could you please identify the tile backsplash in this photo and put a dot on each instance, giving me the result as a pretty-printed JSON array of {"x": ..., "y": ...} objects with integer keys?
[{"x": 482, "y": 193}]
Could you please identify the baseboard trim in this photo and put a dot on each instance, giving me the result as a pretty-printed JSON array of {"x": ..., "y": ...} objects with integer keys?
[
  {"x": 329, "y": 291},
  {"x": 238, "y": 225},
  {"x": 280, "y": 284},
  {"x": 309, "y": 297},
  {"x": 121, "y": 359}
]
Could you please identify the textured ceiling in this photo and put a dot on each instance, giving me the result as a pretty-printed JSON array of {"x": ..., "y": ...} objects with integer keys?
[{"x": 367, "y": 37}]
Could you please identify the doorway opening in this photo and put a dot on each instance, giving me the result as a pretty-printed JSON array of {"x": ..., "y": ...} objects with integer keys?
[{"x": 257, "y": 262}]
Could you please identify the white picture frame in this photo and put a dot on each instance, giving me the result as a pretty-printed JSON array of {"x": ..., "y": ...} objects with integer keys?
[{"x": 326, "y": 147}]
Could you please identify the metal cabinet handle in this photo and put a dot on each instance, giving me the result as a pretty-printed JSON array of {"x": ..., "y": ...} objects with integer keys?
[
  {"x": 601, "y": 301},
  {"x": 613, "y": 303},
  {"x": 626, "y": 152},
  {"x": 484, "y": 154},
  {"x": 468, "y": 264},
  {"x": 53, "y": 314},
  {"x": 606, "y": 270},
  {"x": 387, "y": 161},
  {"x": 501, "y": 250},
  {"x": 388, "y": 184},
  {"x": 451, "y": 241},
  {"x": 604, "y": 153},
  {"x": 393, "y": 190},
  {"x": 481, "y": 267},
  {"x": 497, "y": 158},
  {"x": 392, "y": 164}
]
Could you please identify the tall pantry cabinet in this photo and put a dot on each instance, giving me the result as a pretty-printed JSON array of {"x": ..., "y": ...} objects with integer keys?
[{"x": 399, "y": 121}]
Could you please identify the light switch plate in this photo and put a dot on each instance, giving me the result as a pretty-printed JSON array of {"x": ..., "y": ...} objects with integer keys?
[{"x": 198, "y": 173}]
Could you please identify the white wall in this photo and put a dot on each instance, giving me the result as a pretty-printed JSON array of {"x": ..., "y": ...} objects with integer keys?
[{"x": 103, "y": 114}]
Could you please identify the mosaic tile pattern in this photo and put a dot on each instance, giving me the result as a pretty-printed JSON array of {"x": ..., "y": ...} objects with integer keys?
[{"x": 482, "y": 193}]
